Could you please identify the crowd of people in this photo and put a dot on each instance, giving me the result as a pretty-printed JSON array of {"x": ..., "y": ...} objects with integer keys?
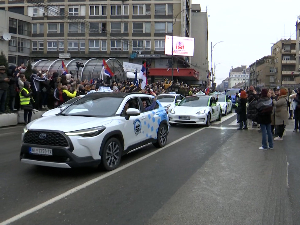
[
  {"x": 271, "y": 109},
  {"x": 43, "y": 90}
]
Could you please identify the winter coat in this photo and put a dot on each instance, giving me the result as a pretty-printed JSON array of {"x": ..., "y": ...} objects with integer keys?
[
  {"x": 251, "y": 110},
  {"x": 241, "y": 109},
  {"x": 12, "y": 89},
  {"x": 281, "y": 110},
  {"x": 264, "y": 110},
  {"x": 3, "y": 84}
]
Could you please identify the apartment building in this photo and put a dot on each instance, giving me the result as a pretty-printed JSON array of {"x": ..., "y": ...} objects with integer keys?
[
  {"x": 128, "y": 30},
  {"x": 15, "y": 32},
  {"x": 298, "y": 48},
  {"x": 238, "y": 76},
  {"x": 284, "y": 53}
]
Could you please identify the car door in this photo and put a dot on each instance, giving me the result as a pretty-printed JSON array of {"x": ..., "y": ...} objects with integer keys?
[
  {"x": 215, "y": 110},
  {"x": 133, "y": 126},
  {"x": 150, "y": 119}
]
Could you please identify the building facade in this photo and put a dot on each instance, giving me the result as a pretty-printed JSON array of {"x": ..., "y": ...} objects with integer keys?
[
  {"x": 15, "y": 32},
  {"x": 298, "y": 48},
  {"x": 238, "y": 76},
  {"x": 130, "y": 31}
]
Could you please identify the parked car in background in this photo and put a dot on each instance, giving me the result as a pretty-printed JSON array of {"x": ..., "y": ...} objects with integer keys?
[
  {"x": 225, "y": 104},
  {"x": 196, "y": 110},
  {"x": 232, "y": 94},
  {"x": 169, "y": 101}
]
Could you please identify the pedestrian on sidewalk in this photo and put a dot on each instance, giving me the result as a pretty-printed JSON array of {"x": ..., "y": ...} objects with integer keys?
[
  {"x": 296, "y": 107},
  {"x": 264, "y": 111},
  {"x": 26, "y": 102},
  {"x": 242, "y": 111},
  {"x": 281, "y": 113}
]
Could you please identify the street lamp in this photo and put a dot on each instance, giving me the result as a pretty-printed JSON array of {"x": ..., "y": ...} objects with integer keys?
[
  {"x": 174, "y": 19},
  {"x": 211, "y": 50}
]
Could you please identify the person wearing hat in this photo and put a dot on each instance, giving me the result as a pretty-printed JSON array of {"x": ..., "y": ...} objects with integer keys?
[
  {"x": 4, "y": 84},
  {"x": 264, "y": 111},
  {"x": 281, "y": 113},
  {"x": 26, "y": 102}
]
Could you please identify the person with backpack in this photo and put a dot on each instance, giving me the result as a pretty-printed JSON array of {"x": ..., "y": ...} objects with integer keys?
[
  {"x": 281, "y": 113},
  {"x": 264, "y": 110}
]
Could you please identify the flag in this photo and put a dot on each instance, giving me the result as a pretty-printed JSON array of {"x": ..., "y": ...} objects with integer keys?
[
  {"x": 177, "y": 70},
  {"x": 64, "y": 68},
  {"x": 208, "y": 75},
  {"x": 292, "y": 72},
  {"x": 143, "y": 75},
  {"x": 106, "y": 70},
  {"x": 136, "y": 80},
  {"x": 207, "y": 91},
  {"x": 168, "y": 69}
]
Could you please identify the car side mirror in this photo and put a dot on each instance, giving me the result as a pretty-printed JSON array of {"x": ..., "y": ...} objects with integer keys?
[{"x": 132, "y": 112}]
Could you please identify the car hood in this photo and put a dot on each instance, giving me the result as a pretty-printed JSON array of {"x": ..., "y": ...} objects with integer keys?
[
  {"x": 67, "y": 123},
  {"x": 185, "y": 110},
  {"x": 52, "y": 112}
]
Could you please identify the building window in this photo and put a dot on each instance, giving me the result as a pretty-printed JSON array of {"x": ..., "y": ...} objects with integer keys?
[
  {"x": 53, "y": 11},
  {"x": 41, "y": 28},
  {"x": 34, "y": 28},
  {"x": 116, "y": 10},
  {"x": 148, "y": 9},
  {"x": 103, "y": 45},
  {"x": 148, "y": 45},
  {"x": 73, "y": 45},
  {"x": 160, "y": 27},
  {"x": 104, "y": 10},
  {"x": 138, "y": 9},
  {"x": 160, "y": 9},
  {"x": 94, "y": 28},
  {"x": 125, "y": 10},
  {"x": 13, "y": 42},
  {"x": 61, "y": 28},
  {"x": 286, "y": 57},
  {"x": 125, "y": 27},
  {"x": 125, "y": 46},
  {"x": 115, "y": 45},
  {"x": 61, "y": 46},
  {"x": 170, "y": 9},
  {"x": 94, "y": 45},
  {"x": 94, "y": 10},
  {"x": 41, "y": 45},
  {"x": 34, "y": 45},
  {"x": 35, "y": 12},
  {"x": 137, "y": 27},
  {"x": 73, "y": 11},
  {"x": 51, "y": 45},
  {"x": 82, "y": 45},
  {"x": 52, "y": 28},
  {"x": 169, "y": 27},
  {"x": 115, "y": 28},
  {"x": 147, "y": 27},
  {"x": 76, "y": 28},
  {"x": 137, "y": 45},
  {"x": 159, "y": 45}
]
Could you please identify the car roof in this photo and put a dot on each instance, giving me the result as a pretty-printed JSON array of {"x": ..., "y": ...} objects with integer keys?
[
  {"x": 118, "y": 94},
  {"x": 168, "y": 94}
]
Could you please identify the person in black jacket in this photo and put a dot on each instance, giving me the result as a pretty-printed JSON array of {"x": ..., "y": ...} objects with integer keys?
[
  {"x": 242, "y": 111},
  {"x": 251, "y": 110},
  {"x": 264, "y": 110}
]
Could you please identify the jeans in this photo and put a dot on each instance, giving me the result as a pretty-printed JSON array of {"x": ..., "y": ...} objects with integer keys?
[
  {"x": 266, "y": 133},
  {"x": 3, "y": 96}
]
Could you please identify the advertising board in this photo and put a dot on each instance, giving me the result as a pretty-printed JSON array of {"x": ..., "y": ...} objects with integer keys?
[{"x": 181, "y": 46}]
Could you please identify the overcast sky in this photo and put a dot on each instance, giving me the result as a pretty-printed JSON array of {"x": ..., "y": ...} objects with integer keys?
[{"x": 247, "y": 29}]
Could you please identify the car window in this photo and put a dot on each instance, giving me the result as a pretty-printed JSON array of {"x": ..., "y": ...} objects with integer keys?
[
  {"x": 222, "y": 98},
  {"x": 94, "y": 105},
  {"x": 131, "y": 103},
  {"x": 194, "y": 101}
]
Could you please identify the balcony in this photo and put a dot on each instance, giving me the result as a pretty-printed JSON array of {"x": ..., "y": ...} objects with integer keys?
[
  {"x": 293, "y": 51},
  {"x": 288, "y": 61},
  {"x": 288, "y": 82},
  {"x": 290, "y": 73},
  {"x": 286, "y": 51}
]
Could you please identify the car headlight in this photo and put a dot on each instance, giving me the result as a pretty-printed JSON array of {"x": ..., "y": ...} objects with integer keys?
[
  {"x": 91, "y": 132},
  {"x": 25, "y": 129},
  {"x": 201, "y": 112},
  {"x": 172, "y": 111}
]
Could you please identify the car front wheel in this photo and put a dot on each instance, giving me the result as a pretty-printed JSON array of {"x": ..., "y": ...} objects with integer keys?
[
  {"x": 111, "y": 154},
  {"x": 162, "y": 136}
]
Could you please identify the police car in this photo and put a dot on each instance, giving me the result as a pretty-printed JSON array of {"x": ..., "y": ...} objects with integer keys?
[{"x": 95, "y": 130}]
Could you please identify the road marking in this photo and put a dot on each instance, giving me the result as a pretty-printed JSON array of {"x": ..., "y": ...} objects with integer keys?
[
  {"x": 234, "y": 123},
  {"x": 225, "y": 118},
  {"x": 287, "y": 173},
  {"x": 93, "y": 181},
  {"x": 223, "y": 128}
]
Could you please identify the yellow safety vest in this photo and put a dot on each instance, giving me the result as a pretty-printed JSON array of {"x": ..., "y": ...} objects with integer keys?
[{"x": 24, "y": 100}]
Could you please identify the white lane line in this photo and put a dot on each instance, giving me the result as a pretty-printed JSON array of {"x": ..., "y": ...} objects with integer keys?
[
  {"x": 234, "y": 123},
  {"x": 287, "y": 173},
  {"x": 225, "y": 118},
  {"x": 223, "y": 128},
  {"x": 93, "y": 181}
]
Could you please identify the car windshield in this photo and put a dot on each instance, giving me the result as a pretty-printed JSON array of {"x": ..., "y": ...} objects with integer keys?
[
  {"x": 194, "y": 101},
  {"x": 69, "y": 102},
  {"x": 94, "y": 105},
  {"x": 165, "y": 98},
  {"x": 232, "y": 92},
  {"x": 221, "y": 98}
]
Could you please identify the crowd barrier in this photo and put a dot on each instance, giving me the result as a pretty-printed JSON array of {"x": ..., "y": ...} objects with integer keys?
[{"x": 13, "y": 119}]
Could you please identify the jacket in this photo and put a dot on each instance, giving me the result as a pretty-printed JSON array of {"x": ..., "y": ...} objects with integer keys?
[
  {"x": 281, "y": 110},
  {"x": 264, "y": 110},
  {"x": 251, "y": 110},
  {"x": 3, "y": 84},
  {"x": 241, "y": 109},
  {"x": 25, "y": 99}
]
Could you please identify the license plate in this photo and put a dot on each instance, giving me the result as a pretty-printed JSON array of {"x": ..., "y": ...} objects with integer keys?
[
  {"x": 184, "y": 117},
  {"x": 40, "y": 151}
]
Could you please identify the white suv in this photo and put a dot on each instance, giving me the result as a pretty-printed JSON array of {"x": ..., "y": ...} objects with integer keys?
[{"x": 97, "y": 129}]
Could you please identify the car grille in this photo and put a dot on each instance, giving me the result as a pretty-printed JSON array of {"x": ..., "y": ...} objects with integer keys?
[{"x": 45, "y": 138}]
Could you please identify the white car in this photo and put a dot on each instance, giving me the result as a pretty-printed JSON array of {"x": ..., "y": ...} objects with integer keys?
[
  {"x": 53, "y": 112},
  {"x": 97, "y": 129},
  {"x": 169, "y": 101},
  {"x": 225, "y": 104},
  {"x": 196, "y": 110}
]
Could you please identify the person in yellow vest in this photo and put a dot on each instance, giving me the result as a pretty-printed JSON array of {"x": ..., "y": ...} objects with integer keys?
[{"x": 26, "y": 102}]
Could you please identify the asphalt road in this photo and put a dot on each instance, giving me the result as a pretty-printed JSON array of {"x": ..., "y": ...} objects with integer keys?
[{"x": 212, "y": 175}]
